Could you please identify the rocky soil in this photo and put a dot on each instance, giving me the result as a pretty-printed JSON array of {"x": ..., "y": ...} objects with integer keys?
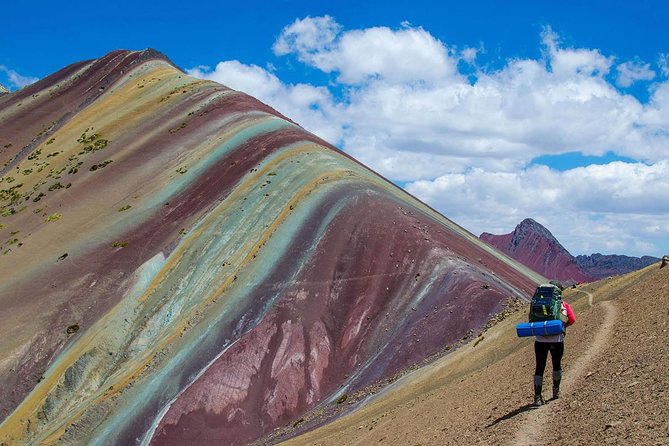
[{"x": 615, "y": 387}]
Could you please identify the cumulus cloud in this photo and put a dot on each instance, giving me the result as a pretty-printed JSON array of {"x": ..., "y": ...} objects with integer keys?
[
  {"x": 398, "y": 103},
  {"x": 405, "y": 55},
  {"x": 630, "y": 72},
  {"x": 307, "y": 37},
  {"x": 589, "y": 209},
  {"x": 617, "y": 187},
  {"x": 574, "y": 62},
  {"x": 17, "y": 80}
]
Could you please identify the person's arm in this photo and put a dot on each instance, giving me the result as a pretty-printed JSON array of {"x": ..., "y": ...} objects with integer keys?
[{"x": 570, "y": 315}]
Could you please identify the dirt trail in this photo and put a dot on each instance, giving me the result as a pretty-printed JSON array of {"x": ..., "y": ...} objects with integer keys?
[{"x": 529, "y": 432}]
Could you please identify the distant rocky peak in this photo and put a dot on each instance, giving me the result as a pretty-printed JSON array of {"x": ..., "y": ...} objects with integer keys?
[
  {"x": 3, "y": 90},
  {"x": 529, "y": 229},
  {"x": 534, "y": 246},
  {"x": 529, "y": 226}
]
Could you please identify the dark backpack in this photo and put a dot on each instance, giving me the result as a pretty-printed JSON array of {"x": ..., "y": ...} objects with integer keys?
[{"x": 546, "y": 303}]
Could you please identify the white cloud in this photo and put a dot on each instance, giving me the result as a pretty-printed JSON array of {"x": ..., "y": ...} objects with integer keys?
[
  {"x": 469, "y": 55},
  {"x": 17, "y": 80},
  {"x": 307, "y": 37},
  {"x": 655, "y": 116},
  {"x": 630, "y": 72},
  {"x": 400, "y": 105},
  {"x": 405, "y": 55},
  {"x": 589, "y": 209},
  {"x": 663, "y": 63},
  {"x": 573, "y": 62}
]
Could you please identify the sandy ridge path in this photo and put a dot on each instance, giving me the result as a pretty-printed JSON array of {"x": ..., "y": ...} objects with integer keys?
[{"x": 529, "y": 432}]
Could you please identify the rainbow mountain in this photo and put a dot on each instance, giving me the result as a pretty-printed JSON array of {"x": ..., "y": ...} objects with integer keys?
[{"x": 181, "y": 264}]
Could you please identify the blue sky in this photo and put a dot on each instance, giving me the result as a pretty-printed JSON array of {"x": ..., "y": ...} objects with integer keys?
[{"x": 513, "y": 109}]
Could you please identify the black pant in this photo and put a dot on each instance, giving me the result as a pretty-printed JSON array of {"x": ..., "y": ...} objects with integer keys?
[{"x": 541, "y": 350}]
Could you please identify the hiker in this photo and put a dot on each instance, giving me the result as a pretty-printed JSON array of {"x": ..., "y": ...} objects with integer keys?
[{"x": 555, "y": 345}]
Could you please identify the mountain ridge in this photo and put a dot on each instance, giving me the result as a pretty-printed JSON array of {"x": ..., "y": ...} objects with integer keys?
[
  {"x": 600, "y": 266},
  {"x": 181, "y": 258}
]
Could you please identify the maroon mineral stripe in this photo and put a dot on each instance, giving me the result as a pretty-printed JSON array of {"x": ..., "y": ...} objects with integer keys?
[
  {"x": 43, "y": 84},
  {"x": 237, "y": 103},
  {"x": 257, "y": 300},
  {"x": 225, "y": 173},
  {"x": 221, "y": 177},
  {"x": 195, "y": 429},
  {"x": 372, "y": 292}
]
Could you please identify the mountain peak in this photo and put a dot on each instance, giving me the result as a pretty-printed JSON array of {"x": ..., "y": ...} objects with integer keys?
[
  {"x": 529, "y": 227},
  {"x": 533, "y": 245}
]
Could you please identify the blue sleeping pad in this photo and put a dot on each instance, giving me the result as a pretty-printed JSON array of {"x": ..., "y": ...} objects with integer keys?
[{"x": 544, "y": 328}]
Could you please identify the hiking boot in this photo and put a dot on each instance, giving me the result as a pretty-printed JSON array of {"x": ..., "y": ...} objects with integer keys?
[
  {"x": 557, "y": 375},
  {"x": 538, "y": 399}
]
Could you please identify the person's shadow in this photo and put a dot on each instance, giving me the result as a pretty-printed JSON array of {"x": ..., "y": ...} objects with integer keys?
[{"x": 513, "y": 413}]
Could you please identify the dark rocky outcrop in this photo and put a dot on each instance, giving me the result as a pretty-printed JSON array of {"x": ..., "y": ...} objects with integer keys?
[{"x": 600, "y": 265}]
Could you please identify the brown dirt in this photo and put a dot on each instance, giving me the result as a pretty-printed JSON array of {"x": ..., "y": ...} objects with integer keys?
[{"x": 615, "y": 385}]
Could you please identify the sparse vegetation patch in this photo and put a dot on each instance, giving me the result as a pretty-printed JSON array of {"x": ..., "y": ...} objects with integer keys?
[
  {"x": 92, "y": 143},
  {"x": 100, "y": 165},
  {"x": 53, "y": 217},
  {"x": 34, "y": 155}
]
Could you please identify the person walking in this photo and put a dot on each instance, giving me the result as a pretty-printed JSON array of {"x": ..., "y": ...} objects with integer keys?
[{"x": 555, "y": 345}]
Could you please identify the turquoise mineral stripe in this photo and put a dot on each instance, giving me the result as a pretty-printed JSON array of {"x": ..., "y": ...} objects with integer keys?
[
  {"x": 167, "y": 381},
  {"x": 125, "y": 309},
  {"x": 275, "y": 247},
  {"x": 230, "y": 229},
  {"x": 264, "y": 125}
]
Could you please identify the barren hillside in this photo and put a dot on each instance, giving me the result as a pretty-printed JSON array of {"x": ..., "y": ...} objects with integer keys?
[{"x": 614, "y": 388}]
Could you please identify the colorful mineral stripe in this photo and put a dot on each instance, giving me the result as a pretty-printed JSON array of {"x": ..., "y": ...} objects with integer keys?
[{"x": 181, "y": 264}]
